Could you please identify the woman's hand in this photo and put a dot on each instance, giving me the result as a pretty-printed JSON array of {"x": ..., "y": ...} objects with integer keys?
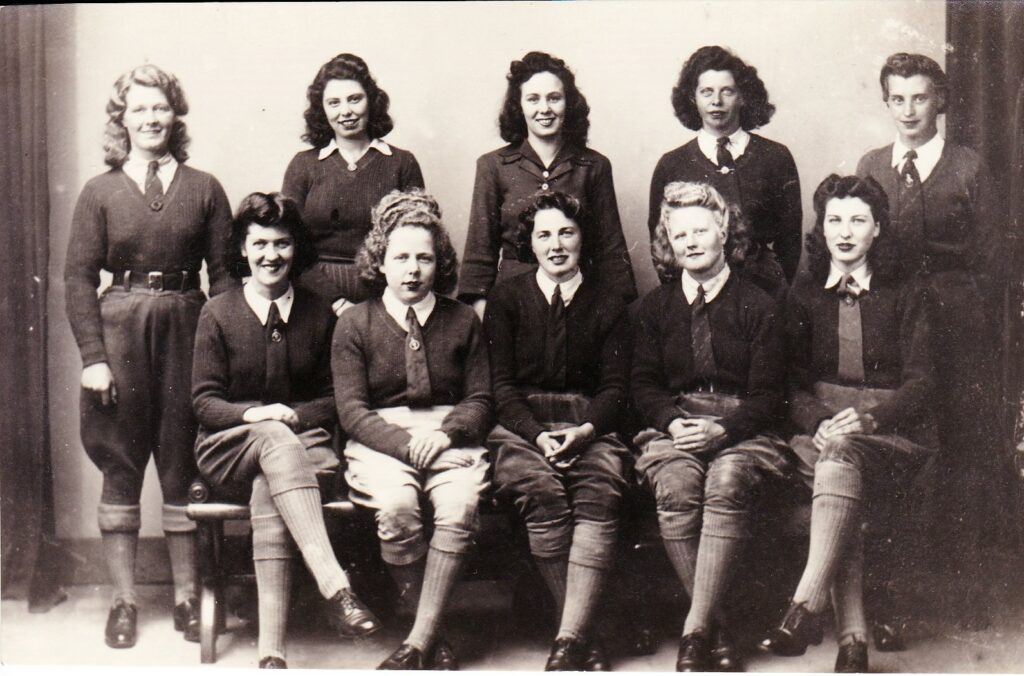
[
  {"x": 339, "y": 306},
  {"x": 99, "y": 378},
  {"x": 696, "y": 435},
  {"x": 479, "y": 306},
  {"x": 547, "y": 444},
  {"x": 571, "y": 438},
  {"x": 279, "y": 412},
  {"x": 424, "y": 447},
  {"x": 847, "y": 421}
]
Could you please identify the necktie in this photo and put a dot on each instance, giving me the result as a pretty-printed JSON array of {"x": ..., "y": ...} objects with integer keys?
[
  {"x": 700, "y": 338},
  {"x": 154, "y": 187},
  {"x": 726, "y": 163},
  {"x": 909, "y": 174},
  {"x": 851, "y": 336},
  {"x": 554, "y": 347},
  {"x": 277, "y": 389},
  {"x": 417, "y": 377},
  {"x": 908, "y": 213}
]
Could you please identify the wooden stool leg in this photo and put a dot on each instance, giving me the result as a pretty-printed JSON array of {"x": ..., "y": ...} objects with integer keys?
[{"x": 210, "y": 536}]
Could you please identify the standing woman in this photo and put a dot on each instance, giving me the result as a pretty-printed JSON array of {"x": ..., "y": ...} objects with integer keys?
[
  {"x": 559, "y": 365},
  {"x": 413, "y": 391},
  {"x": 349, "y": 169},
  {"x": 150, "y": 220},
  {"x": 545, "y": 121},
  {"x": 264, "y": 398},
  {"x": 723, "y": 100}
]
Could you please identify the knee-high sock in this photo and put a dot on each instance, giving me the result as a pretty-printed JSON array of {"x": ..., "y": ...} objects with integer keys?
[
  {"x": 589, "y": 562},
  {"x": 302, "y": 513},
  {"x": 721, "y": 542},
  {"x": 442, "y": 572},
  {"x": 409, "y": 580},
  {"x": 119, "y": 549},
  {"x": 182, "y": 550},
  {"x": 683, "y": 555},
  {"x": 848, "y": 593},
  {"x": 554, "y": 571},
  {"x": 274, "y": 587},
  {"x": 834, "y": 517}
]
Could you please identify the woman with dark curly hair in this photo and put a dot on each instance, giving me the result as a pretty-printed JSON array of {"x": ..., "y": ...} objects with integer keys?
[
  {"x": 723, "y": 100},
  {"x": 545, "y": 121},
  {"x": 338, "y": 182},
  {"x": 707, "y": 381},
  {"x": 263, "y": 395},
  {"x": 413, "y": 392},
  {"x": 151, "y": 220},
  {"x": 860, "y": 380}
]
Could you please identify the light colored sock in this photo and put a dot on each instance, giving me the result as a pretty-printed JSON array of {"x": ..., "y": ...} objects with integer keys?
[
  {"x": 442, "y": 572},
  {"x": 182, "y": 550},
  {"x": 554, "y": 572},
  {"x": 409, "y": 580},
  {"x": 721, "y": 543},
  {"x": 119, "y": 548},
  {"x": 302, "y": 513},
  {"x": 273, "y": 586},
  {"x": 683, "y": 555},
  {"x": 583, "y": 593},
  {"x": 848, "y": 593}
]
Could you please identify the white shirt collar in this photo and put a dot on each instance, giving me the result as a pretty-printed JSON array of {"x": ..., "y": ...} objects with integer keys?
[
  {"x": 708, "y": 144},
  {"x": 261, "y": 304},
  {"x": 712, "y": 287},
  {"x": 568, "y": 288},
  {"x": 927, "y": 155},
  {"x": 136, "y": 168},
  {"x": 398, "y": 310},
  {"x": 332, "y": 146},
  {"x": 861, "y": 277}
]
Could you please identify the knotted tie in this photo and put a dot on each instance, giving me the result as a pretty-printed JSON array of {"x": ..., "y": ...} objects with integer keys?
[
  {"x": 154, "y": 187},
  {"x": 909, "y": 173},
  {"x": 700, "y": 338},
  {"x": 277, "y": 387},
  {"x": 417, "y": 377},
  {"x": 851, "y": 336},
  {"x": 726, "y": 163},
  {"x": 554, "y": 347},
  {"x": 909, "y": 208}
]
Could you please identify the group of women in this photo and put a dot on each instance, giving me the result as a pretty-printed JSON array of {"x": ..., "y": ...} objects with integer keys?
[{"x": 344, "y": 331}]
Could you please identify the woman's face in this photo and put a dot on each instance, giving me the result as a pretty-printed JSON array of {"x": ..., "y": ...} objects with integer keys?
[
  {"x": 698, "y": 241},
  {"x": 270, "y": 251},
  {"x": 410, "y": 263},
  {"x": 719, "y": 102},
  {"x": 850, "y": 229},
  {"x": 347, "y": 109},
  {"x": 556, "y": 242},
  {"x": 148, "y": 119},
  {"x": 542, "y": 98}
]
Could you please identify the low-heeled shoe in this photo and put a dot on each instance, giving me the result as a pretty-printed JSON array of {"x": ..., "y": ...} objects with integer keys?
[
  {"x": 852, "y": 658},
  {"x": 724, "y": 655},
  {"x": 349, "y": 617},
  {"x": 186, "y": 619},
  {"x": 121, "y": 624},
  {"x": 595, "y": 658},
  {"x": 799, "y": 629},
  {"x": 567, "y": 654},
  {"x": 405, "y": 658},
  {"x": 694, "y": 653},
  {"x": 443, "y": 658},
  {"x": 273, "y": 662}
]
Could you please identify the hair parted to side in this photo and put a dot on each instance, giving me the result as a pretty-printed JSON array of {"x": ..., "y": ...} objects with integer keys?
[
  {"x": 511, "y": 121},
  {"x": 269, "y": 210},
  {"x": 568, "y": 205},
  {"x": 907, "y": 65},
  {"x": 883, "y": 256},
  {"x": 401, "y": 209},
  {"x": 679, "y": 194},
  {"x": 116, "y": 144},
  {"x": 345, "y": 67},
  {"x": 755, "y": 112}
]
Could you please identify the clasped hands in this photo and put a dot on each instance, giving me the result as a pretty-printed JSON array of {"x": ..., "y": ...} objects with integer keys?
[
  {"x": 847, "y": 421},
  {"x": 562, "y": 447},
  {"x": 696, "y": 435}
]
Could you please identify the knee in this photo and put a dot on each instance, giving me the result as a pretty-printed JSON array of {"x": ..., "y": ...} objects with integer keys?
[
  {"x": 457, "y": 507},
  {"x": 598, "y": 497},
  {"x": 273, "y": 434},
  {"x": 730, "y": 484},
  {"x": 398, "y": 514},
  {"x": 678, "y": 487},
  {"x": 540, "y": 498}
]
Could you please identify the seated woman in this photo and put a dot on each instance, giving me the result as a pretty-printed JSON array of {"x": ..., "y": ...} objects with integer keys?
[
  {"x": 262, "y": 392},
  {"x": 413, "y": 392},
  {"x": 860, "y": 379},
  {"x": 707, "y": 380},
  {"x": 559, "y": 365}
]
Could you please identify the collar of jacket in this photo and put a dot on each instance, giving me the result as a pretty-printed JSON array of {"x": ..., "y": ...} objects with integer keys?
[{"x": 567, "y": 158}]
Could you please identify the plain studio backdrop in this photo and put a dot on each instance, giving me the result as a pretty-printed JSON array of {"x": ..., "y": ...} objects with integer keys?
[{"x": 245, "y": 69}]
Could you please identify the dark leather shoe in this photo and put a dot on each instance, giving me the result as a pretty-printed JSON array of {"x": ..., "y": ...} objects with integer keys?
[
  {"x": 724, "y": 656},
  {"x": 405, "y": 658},
  {"x": 273, "y": 663},
  {"x": 348, "y": 616},
  {"x": 595, "y": 658},
  {"x": 443, "y": 658},
  {"x": 694, "y": 653},
  {"x": 567, "y": 654},
  {"x": 186, "y": 619},
  {"x": 799, "y": 629},
  {"x": 888, "y": 636},
  {"x": 852, "y": 658},
  {"x": 121, "y": 624}
]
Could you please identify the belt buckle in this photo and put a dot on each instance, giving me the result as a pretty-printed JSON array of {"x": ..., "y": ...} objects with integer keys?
[{"x": 155, "y": 281}]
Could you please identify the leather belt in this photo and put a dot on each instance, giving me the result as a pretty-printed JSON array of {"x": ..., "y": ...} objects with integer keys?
[{"x": 129, "y": 280}]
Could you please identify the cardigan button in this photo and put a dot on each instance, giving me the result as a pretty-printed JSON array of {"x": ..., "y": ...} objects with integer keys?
[
  {"x": 546, "y": 174},
  {"x": 544, "y": 186}
]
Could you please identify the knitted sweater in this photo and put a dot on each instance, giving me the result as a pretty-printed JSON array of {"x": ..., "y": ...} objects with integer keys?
[
  {"x": 114, "y": 229},
  {"x": 368, "y": 363},
  {"x": 335, "y": 203},
  {"x": 765, "y": 185},
  {"x": 747, "y": 344},
  {"x": 229, "y": 368},
  {"x": 597, "y": 351}
]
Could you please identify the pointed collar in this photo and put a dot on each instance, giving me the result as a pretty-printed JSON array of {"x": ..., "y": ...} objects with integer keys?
[{"x": 332, "y": 147}]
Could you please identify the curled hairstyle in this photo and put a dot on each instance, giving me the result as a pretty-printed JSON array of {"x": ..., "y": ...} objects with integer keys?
[
  {"x": 883, "y": 256},
  {"x": 116, "y": 144},
  {"x": 755, "y": 110},
  {"x": 271, "y": 210},
  {"x": 679, "y": 194},
  {"x": 345, "y": 67},
  {"x": 398, "y": 209},
  {"x": 908, "y": 65},
  {"x": 512, "y": 121},
  {"x": 568, "y": 205}
]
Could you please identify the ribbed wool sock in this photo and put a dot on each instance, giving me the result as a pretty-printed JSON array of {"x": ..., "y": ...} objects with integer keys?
[
  {"x": 302, "y": 513},
  {"x": 848, "y": 593},
  {"x": 683, "y": 555},
  {"x": 721, "y": 543},
  {"x": 554, "y": 572},
  {"x": 182, "y": 550},
  {"x": 273, "y": 586},
  {"x": 442, "y": 572},
  {"x": 119, "y": 548}
]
